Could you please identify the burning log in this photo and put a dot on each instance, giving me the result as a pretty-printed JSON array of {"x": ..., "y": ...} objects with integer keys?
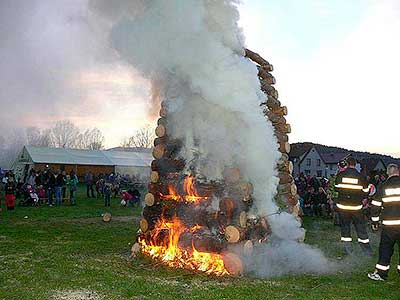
[
  {"x": 165, "y": 150},
  {"x": 266, "y": 77},
  {"x": 282, "y": 137},
  {"x": 272, "y": 103},
  {"x": 275, "y": 118},
  {"x": 280, "y": 111}
]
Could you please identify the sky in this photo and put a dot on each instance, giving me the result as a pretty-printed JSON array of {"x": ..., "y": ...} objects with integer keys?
[{"x": 336, "y": 65}]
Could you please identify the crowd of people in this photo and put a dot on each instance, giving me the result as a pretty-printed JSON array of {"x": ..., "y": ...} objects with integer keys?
[
  {"x": 317, "y": 195},
  {"x": 57, "y": 187}
]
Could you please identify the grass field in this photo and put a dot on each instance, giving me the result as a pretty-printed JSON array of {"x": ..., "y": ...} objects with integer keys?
[{"x": 69, "y": 253}]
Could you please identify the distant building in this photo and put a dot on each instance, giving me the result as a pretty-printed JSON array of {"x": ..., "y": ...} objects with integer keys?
[
  {"x": 82, "y": 161},
  {"x": 372, "y": 165},
  {"x": 314, "y": 162}
]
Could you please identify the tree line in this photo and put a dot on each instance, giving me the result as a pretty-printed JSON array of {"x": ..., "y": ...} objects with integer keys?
[{"x": 65, "y": 134}]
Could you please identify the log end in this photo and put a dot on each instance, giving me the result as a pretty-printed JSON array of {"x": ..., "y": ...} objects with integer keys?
[
  {"x": 144, "y": 225},
  {"x": 233, "y": 264},
  {"x": 149, "y": 199},
  {"x": 232, "y": 234}
]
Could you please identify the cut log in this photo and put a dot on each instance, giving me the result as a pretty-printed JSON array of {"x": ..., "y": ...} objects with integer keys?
[
  {"x": 158, "y": 151},
  {"x": 165, "y": 166},
  {"x": 149, "y": 199},
  {"x": 263, "y": 72},
  {"x": 144, "y": 225},
  {"x": 269, "y": 89},
  {"x": 162, "y": 121},
  {"x": 135, "y": 250},
  {"x": 107, "y": 217},
  {"x": 285, "y": 178},
  {"x": 284, "y": 147},
  {"x": 233, "y": 264},
  {"x": 163, "y": 111},
  {"x": 233, "y": 234},
  {"x": 280, "y": 111},
  {"x": 285, "y": 166},
  {"x": 248, "y": 248},
  {"x": 282, "y": 137},
  {"x": 154, "y": 176},
  {"x": 283, "y": 128},
  {"x": 288, "y": 188},
  {"x": 228, "y": 207},
  {"x": 284, "y": 158},
  {"x": 243, "y": 219},
  {"x": 257, "y": 59},
  {"x": 267, "y": 77},
  {"x": 273, "y": 103},
  {"x": 275, "y": 118},
  {"x": 161, "y": 131}
]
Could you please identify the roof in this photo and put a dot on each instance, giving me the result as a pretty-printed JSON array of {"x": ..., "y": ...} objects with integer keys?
[
  {"x": 131, "y": 149},
  {"x": 333, "y": 158},
  {"x": 297, "y": 150},
  {"x": 88, "y": 157},
  {"x": 369, "y": 164}
]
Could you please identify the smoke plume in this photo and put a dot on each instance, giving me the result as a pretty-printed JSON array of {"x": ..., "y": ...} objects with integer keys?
[{"x": 192, "y": 51}]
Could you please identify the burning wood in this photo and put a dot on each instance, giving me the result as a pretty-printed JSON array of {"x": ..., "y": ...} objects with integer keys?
[{"x": 189, "y": 222}]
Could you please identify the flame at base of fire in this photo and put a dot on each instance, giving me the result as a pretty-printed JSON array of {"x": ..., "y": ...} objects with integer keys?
[{"x": 172, "y": 255}]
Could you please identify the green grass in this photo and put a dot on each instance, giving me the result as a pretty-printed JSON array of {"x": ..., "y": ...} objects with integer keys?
[{"x": 71, "y": 249}]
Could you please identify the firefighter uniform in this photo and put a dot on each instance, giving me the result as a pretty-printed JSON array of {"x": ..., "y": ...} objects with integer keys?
[
  {"x": 352, "y": 188},
  {"x": 386, "y": 209}
]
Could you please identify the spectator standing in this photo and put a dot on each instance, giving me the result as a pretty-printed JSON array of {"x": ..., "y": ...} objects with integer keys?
[
  {"x": 107, "y": 194},
  {"x": 50, "y": 181},
  {"x": 64, "y": 187},
  {"x": 59, "y": 183},
  {"x": 72, "y": 185},
  {"x": 89, "y": 180}
]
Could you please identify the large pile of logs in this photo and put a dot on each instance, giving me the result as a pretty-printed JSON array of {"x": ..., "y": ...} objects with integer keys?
[
  {"x": 287, "y": 196},
  {"x": 175, "y": 197}
]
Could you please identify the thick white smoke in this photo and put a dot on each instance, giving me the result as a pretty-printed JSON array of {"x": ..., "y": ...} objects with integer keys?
[{"x": 193, "y": 51}]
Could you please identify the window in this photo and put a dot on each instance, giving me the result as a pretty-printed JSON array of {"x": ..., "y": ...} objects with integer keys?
[
  {"x": 318, "y": 162},
  {"x": 331, "y": 167},
  {"x": 319, "y": 173},
  {"x": 308, "y": 162}
]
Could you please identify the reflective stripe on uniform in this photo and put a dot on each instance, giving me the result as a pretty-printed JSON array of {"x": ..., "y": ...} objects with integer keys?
[
  {"x": 346, "y": 239},
  {"x": 376, "y": 203},
  {"x": 375, "y": 219},
  {"x": 349, "y": 207},
  {"x": 383, "y": 268},
  {"x": 398, "y": 267},
  {"x": 391, "y": 199},
  {"x": 391, "y": 222},
  {"x": 349, "y": 180},
  {"x": 393, "y": 191},
  {"x": 348, "y": 186},
  {"x": 366, "y": 241}
]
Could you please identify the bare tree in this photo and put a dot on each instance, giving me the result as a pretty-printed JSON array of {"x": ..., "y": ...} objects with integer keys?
[
  {"x": 64, "y": 134},
  {"x": 91, "y": 139},
  {"x": 37, "y": 137},
  {"x": 142, "y": 138}
]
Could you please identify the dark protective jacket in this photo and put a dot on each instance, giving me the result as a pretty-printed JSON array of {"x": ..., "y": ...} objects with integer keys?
[
  {"x": 386, "y": 203},
  {"x": 352, "y": 188}
]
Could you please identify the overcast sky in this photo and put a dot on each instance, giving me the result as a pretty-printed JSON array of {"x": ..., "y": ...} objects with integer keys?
[{"x": 336, "y": 64}]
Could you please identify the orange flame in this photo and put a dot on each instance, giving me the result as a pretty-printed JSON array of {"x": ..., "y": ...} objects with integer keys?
[
  {"x": 191, "y": 194},
  {"x": 168, "y": 251}
]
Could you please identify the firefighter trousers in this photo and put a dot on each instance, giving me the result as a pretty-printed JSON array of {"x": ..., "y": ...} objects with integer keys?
[
  {"x": 357, "y": 219},
  {"x": 389, "y": 238}
]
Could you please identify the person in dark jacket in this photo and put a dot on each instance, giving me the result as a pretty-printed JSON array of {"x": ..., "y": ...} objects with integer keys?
[
  {"x": 352, "y": 188},
  {"x": 89, "y": 180},
  {"x": 59, "y": 183},
  {"x": 49, "y": 183},
  {"x": 386, "y": 209}
]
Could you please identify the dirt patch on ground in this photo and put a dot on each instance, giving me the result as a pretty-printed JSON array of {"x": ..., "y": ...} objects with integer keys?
[{"x": 81, "y": 294}]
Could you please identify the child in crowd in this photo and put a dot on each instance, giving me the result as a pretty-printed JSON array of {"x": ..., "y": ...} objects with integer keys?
[
  {"x": 41, "y": 193},
  {"x": 107, "y": 194}
]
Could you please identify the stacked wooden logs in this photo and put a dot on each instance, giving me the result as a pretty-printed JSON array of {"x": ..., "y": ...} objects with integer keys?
[{"x": 287, "y": 192}]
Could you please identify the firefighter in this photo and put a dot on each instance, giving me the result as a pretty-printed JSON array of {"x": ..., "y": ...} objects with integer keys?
[
  {"x": 386, "y": 208},
  {"x": 352, "y": 188}
]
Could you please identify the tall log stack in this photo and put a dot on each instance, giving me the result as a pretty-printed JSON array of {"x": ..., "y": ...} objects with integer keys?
[
  {"x": 174, "y": 197},
  {"x": 286, "y": 196}
]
